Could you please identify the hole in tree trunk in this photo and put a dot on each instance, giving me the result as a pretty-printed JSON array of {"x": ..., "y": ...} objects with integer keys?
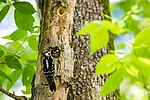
[{"x": 61, "y": 10}]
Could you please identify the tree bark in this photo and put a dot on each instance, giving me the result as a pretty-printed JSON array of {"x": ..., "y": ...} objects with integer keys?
[
  {"x": 86, "y": 85},
  {"x": 75, "y": 71},
  {"x": 56, "y": 28}
]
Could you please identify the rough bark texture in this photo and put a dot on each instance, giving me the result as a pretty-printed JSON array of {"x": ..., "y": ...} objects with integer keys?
[
  {"x": 74, "y": 77},
  {"x": 56, "y": 29},
  {"x": 85, "y": 84}
]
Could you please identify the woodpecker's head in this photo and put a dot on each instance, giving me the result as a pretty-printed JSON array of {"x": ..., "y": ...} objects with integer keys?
[{"x": 47, "y": 54}]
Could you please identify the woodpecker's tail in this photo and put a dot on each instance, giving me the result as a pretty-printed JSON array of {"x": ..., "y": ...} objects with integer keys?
[{"x": 52, "y": 86}]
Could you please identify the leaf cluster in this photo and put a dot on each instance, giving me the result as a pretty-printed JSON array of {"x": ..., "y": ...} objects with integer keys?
[{"x": 18, "y": 57}]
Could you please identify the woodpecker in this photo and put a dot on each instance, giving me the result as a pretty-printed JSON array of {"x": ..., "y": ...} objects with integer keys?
[{"x": 49, "y": 70}]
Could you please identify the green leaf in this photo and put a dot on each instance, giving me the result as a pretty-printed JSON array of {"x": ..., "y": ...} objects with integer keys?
[
  {"x": 7, "y": 37},
  {"x": 113, "y": 82},
  {"x": 26, "y": 55},
  {"x": 35, "y": 29},
  {"x": 142, "y": 39},
  {"x": 33, "y": 42},
  {"x": 28, "y": 90},
  {"x": 145, "y": 23},
  {"x": 145, "y": 79},
  {"x": 12, "y": 62},
  {"x": 23, "y": 21},
  {"x": 4, "y": 48},
  {"x": 0, "y": 83},
  {"x": 3, "y": 1},
  {"x": 99, "y": 38},
  {"x": 18, "y": 34},
  {"x": 142, "y": 52},
  {"x": 132, "y": 25},
  {"x": 107, "y": 64},
  {"x": 114, "y": 28},
  {"x": 24, "y": 7},
  {"x": 140, "y": 63},
  {"x": 144, "y": 4},
  {"x": 135, "y": 9},
  {"x": 88, "y": 28},
  {"x": 127, "y": 60},
  {"x": 143, "y": 65},
  {"x": 125, "y": 4},
  {"x": 3, "y": 12},
  {"x": 31, "y": 61},
  {"x": 2, "y": 74},
  {"x": 27, "y": 76},
  {"x": 15, "y": 46},
  {"x": 14, "y": 77},
  {"x": 16, "y": 0},
  {"x": 1, "y": 53}
]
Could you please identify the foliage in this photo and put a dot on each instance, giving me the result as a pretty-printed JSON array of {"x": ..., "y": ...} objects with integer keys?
[
  {"x": 18, "y": 57},
  {"x": 134, "y": 65},
  {"x": 100, "y": 30}
]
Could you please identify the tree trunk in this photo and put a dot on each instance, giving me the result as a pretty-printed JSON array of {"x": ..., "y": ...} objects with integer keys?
[
  {"x": 86, "y": 85},
  {"x": 74, "y": 73}
]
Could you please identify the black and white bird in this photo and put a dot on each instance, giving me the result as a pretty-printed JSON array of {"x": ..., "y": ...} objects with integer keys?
[{"x": 49, "y": 70}]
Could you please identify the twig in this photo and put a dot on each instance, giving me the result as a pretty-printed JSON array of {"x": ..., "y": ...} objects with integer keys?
[
  {"x": 21, "y": 45},
  {"x": 22, "y": 50},
  {"x": 13, "y": 95}
]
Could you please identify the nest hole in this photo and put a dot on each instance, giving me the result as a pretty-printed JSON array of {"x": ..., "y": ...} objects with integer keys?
[{"x": 61, "y": 10}]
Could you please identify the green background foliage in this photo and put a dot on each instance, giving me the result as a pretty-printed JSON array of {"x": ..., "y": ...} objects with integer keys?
[{"x": 18, "y": 57}]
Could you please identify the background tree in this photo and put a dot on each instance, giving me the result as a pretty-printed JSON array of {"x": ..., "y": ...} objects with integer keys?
[{"x": 86, "y": 85}]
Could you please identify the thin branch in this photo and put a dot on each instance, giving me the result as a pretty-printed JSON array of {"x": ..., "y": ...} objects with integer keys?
[
  {"x": 22, "y": 50},
  {"x": 21, "y": 45},
  {"x": 13, "y": 95},
  {"x": 2, "y": 58}
]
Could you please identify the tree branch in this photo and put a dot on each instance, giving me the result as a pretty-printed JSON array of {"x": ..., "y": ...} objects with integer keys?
[{"x": 13, "y": 95}]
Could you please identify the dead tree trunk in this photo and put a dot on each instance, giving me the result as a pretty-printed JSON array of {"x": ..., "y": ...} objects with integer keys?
[{"x": 75, "y": 78}]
